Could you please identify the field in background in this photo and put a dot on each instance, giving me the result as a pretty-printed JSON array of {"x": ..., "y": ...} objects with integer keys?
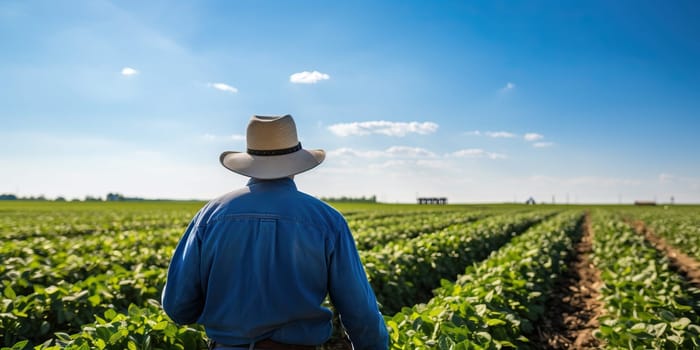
[{"x": 85, "y": 275}]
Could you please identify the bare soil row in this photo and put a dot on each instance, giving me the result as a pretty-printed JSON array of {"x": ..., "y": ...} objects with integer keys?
[{"x": 574, "y": 308}]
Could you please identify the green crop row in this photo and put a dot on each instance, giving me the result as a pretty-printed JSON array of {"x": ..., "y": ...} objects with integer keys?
[
  {"x": 65, "y": 307},
  {"x": 24, "y": 220},
  {"x": 405, "y": 272},
  {"x": 142, "y": 328},
  {"x": 370, "y": 235},
  {"x": 680, "y": 231},
  {"x": 495, "y": 303},
  {"x": 45, "y": 261},
  {"x": 646, "y": 304}
]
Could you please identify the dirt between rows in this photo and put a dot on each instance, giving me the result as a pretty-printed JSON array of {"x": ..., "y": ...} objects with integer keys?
[
  {"x": 687, "y": 266},
  {"x": 573, "y": 307}
]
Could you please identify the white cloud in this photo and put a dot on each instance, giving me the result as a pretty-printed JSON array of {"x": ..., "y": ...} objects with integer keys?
[
  {"x": 599, "y": 181},
  {"x": 500, "y": 134},
  {"x": 542, "y": 144},
  {"x": 496, "y": 155},
  {"x": 670, "y": 179},
  {"x": 432, "y": 163},
  {"x": 477, "y": 153},
  {"x": 218, "y": 138},
  {"x": 509, "y": 86},
  {"x": 410, "y": 164},
  {"x": 223, "y": 87},
  {"x": 602, "y": 181},
  {"x": 128, "y": 71},
  {"x": 533, "y": 136},
  {"x": 665, "y": 177},
  {"x": 383, "y": 127},
  {"x": 389, "y": 164},
  {"x": 470, "y": 152},
  {"x": 403, "y": 151},
  {"x": 349, "y": 152},
  {"x": 308, "y": 77},
  {"x": 493, "y": 134},
  {"x": 391, "y": 152}
]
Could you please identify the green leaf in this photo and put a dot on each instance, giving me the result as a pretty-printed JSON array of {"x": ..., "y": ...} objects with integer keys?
[
  {"x": 134, "y": 310},
  {"x": 484, "y": 335},
  {"x": 667, "y": 315},
  {"x": 505, "y": 343},
  {"x": 115, "y": 337},
  {"x": 394, "y": 330},
  {"x": 19, "y": 345},
  {"x": 681, "y": 323},
  {"x": 495, "y": 322},
  {"x": 9, "y": 293},
  {"x": 110, "y": 314},
  {"x": 63, "y": 336},
  {"x": 638, "y": 328},
  {"x": 100, "y": 344},
  {"x": 44, "y": 328},
  {"x": 95, "y": 300},
  {"x": 161, "y": 325},
  {"x": 676, "y": 339},
  {"x": 658, "y": 329}
]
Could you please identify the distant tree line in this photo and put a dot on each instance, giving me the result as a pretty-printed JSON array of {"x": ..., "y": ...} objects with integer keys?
[
  {"x": 109, "y": 198},
  {"x": 12, "y": 197},
  {"x": 119, "y": 197},
  {"x": 363, "y": 199}
]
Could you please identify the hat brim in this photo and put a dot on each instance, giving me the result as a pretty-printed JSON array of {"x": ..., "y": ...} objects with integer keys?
[{"x": 272, "y": 167}]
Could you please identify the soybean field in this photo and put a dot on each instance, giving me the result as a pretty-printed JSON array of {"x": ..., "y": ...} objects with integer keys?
[{"x": 89, "y": 275}]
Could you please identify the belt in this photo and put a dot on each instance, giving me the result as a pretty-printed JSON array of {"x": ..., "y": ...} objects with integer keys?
[{"x": 266, "y": 344}]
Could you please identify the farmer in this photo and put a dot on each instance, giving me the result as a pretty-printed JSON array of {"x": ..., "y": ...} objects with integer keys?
[{"x": 255, "y": 265}]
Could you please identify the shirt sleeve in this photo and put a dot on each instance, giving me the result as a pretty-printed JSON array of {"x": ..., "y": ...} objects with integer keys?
[
  {"x": 353, "y": 297},
  {"x": 183, "y": 297}
]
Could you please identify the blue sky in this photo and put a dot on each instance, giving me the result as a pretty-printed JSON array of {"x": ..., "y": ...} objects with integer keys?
[{"x": 476, "y": 101}]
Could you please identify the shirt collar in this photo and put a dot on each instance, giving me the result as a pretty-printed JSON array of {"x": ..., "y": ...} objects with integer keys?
[{"x": 285, "y": 182}]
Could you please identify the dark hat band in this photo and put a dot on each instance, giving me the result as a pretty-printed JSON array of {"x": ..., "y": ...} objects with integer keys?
[{"x": 274, "y": 152}]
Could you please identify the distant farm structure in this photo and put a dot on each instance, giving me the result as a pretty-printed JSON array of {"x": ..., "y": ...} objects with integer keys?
[
  {"x": 651, "y": 203},
  {"x": 432, "y": 200}
]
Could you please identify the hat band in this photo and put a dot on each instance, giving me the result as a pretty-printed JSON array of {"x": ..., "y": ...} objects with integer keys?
[{"x": 274, "y": 152}]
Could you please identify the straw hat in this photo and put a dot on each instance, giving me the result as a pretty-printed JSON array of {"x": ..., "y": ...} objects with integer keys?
[{"x": 274, "y": 150}]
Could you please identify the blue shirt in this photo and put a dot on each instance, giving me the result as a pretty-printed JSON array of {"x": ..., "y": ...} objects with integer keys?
[{"x": 257, "y": 263}]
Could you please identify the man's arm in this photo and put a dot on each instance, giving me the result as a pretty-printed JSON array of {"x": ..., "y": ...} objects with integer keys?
[
  {"x": 353, "y": 297},
  {"x": 182, "y": 297}
]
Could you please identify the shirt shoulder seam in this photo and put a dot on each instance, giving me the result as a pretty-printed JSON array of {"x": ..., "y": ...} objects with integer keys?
[{"x": 248, "y": 216}]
